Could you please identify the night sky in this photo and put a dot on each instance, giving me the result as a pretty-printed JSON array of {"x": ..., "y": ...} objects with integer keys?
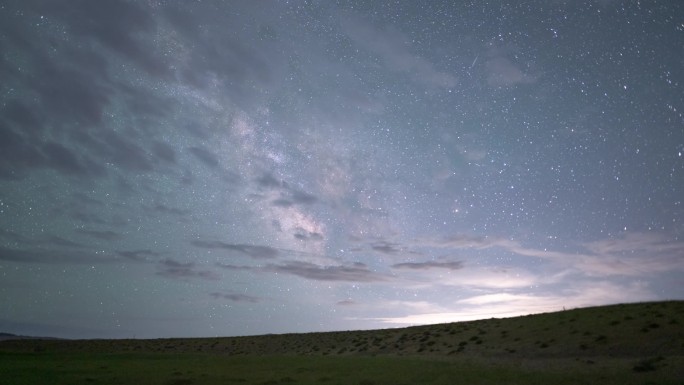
[{"x": 220, "y": 168}]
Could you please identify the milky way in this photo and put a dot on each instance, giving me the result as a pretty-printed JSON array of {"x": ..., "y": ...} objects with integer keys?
[{"x": 228, "y": 168}]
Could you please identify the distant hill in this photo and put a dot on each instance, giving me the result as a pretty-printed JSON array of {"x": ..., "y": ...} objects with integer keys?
[
  {"x": 10, "y": 336},
  {"x": 7, "y": 336},
  {"x": 625, "y": 330}
]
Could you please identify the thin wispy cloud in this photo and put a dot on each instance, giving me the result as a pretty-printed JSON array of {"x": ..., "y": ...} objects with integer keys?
[
  {"x": 254, "y": 251},
  {"x": 394, "y": 49},
  {"x": 449, "y": 265},
  {"x": 170, "y": 268},
  {"x": 235, "y": 297},
  {"x": 356, "y": 272}
]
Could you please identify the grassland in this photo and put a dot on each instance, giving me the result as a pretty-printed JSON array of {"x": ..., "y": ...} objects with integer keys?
[{"x": 620, "y": 344}]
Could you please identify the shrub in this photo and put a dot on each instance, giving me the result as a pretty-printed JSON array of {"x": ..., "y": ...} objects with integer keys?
[{"x": 647, "y": 365}]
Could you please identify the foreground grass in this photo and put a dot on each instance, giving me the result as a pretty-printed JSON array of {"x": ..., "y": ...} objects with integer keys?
[{"x": 187, "y": 369}]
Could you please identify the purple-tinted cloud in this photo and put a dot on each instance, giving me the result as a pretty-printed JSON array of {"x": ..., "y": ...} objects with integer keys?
[
  {"x": 452, "y": 265},
  {"x": 357, "y": 272},
  {"x": 170, "y": 268},
  {"x": 235, "y": 297},
  {"x": 254, "y": 251}
]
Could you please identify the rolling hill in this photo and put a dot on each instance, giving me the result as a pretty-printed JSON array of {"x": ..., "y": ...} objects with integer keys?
[{"x": 602, "y": 343}]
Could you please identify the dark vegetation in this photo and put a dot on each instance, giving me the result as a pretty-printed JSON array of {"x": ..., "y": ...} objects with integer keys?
[{"x": 629, "y": 343}]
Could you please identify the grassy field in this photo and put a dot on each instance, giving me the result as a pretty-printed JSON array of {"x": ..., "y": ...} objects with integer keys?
[{"x": 620, "y": 344}]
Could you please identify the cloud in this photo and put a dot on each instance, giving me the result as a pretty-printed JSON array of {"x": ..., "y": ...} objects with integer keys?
[
  {"x": 385, "y": 247},
  {"x": 346, "y": 302},
  {"x": 462, "y": 241},
  {"x": 632, "y": 255},
  {"x": 268, "y": 181},
  {"x": 583, "y": 294},
  {"x": 50, "y": 241},
  {"x": 161, "y": 208},
  {"x": 13, "y": 236},
  {"x": 115, "y": 25},
  {"x": 54, "y": 256},
  {"x": 113, "y": 148},
  {"x": 303, "y": 198},
  {"x": 501, "y": 278},
  {"x": 291, "y": 197},
  {"x": 170, "y": 268},
  {"x": 205, "y": 156},
  {"x": 59, "y": 241},
  {"x": 212, "y": 57},
  {"x": 106, "y": 235},
  {"x": 229, "y": 266},
  {"x": 164, "y": 151},
  {"x": 88, "y": 216},
  {"x": 19, "y": 153},
  {"x": 355, "y": 273},
  {"x": 60, "y": 158},
  {"x": 22, "y": 152},
  {"x": 304, "y": 235},
  {"x": 503, "y": 72},
  {"x": 82, "y": 198},
  {"x": 235, "y": 297},
  {"x": 288, "y": 211},
  {"x": 281, "y": 202},
  {"x": 392, "y": 46},
  {"x": 288, "y": 196},
  {"x": 452, "y": 265},
  {"x": 254, "y": 251},
  {"x": 18, "y": 114},
  {"x": 630, "y": 243},
  {"x": 138, "y": 255},
  {"x": 497, "y": 298}
]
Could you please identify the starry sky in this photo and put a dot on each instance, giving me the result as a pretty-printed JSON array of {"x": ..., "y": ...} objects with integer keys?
[{"x": 221, "y": 168}]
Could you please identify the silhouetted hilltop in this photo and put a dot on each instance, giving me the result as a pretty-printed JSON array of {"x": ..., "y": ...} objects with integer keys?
[{"x": 10, "y": 336}]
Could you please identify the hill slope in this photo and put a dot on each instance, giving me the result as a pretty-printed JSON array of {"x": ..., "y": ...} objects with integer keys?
[{"x": 619, "y": 331}]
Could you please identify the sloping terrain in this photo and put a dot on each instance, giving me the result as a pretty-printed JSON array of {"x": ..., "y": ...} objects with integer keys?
[
  {"x": 621, "y": 344},
  {"x": 626, "y": 330}
]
